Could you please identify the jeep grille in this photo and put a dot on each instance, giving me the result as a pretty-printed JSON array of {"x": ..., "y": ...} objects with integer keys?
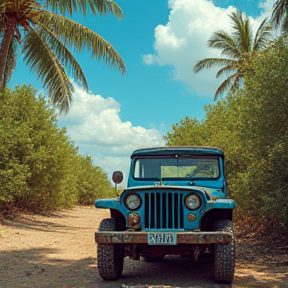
[{"x": 164, "y": 210}]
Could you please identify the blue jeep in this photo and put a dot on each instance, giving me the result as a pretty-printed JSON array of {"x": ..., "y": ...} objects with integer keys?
[{"x": 175, "y": 203}]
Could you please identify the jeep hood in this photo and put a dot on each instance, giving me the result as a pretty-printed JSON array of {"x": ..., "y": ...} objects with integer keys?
[{"x": 211, "y": 193}]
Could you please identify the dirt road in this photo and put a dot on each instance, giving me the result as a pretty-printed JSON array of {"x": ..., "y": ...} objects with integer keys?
[{"x": 59, "y": 251}]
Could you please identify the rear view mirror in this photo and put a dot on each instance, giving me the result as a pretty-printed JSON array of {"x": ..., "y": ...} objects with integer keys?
[{"x": 117, "y": 177}]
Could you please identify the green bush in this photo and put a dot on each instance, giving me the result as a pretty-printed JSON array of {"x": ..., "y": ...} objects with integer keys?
[
  {"x": 40, "y": 169},
  {"x": 251, "y": 126}
]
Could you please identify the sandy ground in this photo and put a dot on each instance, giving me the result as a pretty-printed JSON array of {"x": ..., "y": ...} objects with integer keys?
[{"x": 59, "y": 251}]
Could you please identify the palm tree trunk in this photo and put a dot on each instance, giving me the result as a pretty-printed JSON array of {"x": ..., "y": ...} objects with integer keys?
[{"x": 4, "y": 48}]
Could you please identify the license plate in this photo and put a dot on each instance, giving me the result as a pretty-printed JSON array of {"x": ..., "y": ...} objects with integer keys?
[{"x": 162, "y": 238}]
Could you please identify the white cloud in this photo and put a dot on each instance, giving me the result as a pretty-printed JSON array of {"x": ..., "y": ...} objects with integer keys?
[
  {"x": 182, "y": 42},
  {"x": 149, "y": 59},
  {"x": 94, "y": 124},
  {"x": 267, "y": 6}
]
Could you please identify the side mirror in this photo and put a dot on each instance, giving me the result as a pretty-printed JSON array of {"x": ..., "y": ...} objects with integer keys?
[{"x": 117, "y": 177}]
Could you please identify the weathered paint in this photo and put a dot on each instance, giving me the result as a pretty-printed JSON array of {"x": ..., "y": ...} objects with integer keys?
[
  {"x": 182, "y": 237},
  {"x": 108, "y": 203},
  {"x": 207, "y": 204},
  {"x": 220, "y": 204},
  {"x": 162, "y": 151},
  {"x": 164, "y": 223},
  {"x": 211, "y": 191}
]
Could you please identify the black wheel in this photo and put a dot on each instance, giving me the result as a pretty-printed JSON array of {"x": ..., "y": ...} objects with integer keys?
[
  {"x": 110, "y": 257},
  {"x": 224, "y": 255}
]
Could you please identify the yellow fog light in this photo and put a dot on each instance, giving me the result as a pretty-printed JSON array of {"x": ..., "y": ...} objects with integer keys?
[
  {"x": 134, "y": 220},
  {"x": 191, "y": 217}
]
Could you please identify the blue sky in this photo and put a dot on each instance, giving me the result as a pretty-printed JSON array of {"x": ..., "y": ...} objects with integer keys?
[{"x": 160, "y": 41}]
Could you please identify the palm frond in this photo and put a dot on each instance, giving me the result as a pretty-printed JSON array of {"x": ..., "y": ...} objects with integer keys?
[
  {"x": 227, "y": 69},
  {"x": 238, "y": 47},
  {"x": 221, "y": 40},
  {"x": 79, "y": 37},
  {"x": 263, "y": 36},
  {"x": 279, "y": 12},
  {"x": 42, "y": 61},
  {"x": 246, "y": 37},
  {"x": 242, "y": 33},
  {"x": 96, "y": 6},
  {"x": 238, "y": 22},
  {"x": 103, "y": 7},
  {"x": 212, "y": 62},
  {"x": 64, "y": 56},
  {"x": 225, "y": 86}
]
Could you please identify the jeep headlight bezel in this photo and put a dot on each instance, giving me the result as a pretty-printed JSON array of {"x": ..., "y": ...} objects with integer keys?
[
  {"x": 193, "y": 202},
  {"x": 132, "y": 201}
]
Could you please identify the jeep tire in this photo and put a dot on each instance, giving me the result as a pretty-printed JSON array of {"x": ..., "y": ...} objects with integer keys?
[
  {"x": 110, "y": 257},
  {"x": 224, "y": 255}
]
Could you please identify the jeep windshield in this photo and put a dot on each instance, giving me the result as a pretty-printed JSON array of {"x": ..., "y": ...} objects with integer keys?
[{"x": 189, "y": 167}]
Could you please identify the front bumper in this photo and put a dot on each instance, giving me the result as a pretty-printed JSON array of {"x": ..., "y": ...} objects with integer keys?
[{"x": 127, "y": 237}]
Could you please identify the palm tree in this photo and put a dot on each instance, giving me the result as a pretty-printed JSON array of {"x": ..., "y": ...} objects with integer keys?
[
  {"x": 279, "y": 14},
  {"x": 238, "y": 48},
  {"x": 46, "y": 38}
]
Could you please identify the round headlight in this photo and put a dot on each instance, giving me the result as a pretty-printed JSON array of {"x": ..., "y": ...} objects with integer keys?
[
  {"x": 192, "y": 202},
  {"x": 132, "y": 201}
]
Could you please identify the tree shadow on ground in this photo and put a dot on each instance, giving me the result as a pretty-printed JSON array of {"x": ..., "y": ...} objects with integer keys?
[
  {"x": 34, "y": 222},
  {"x": 40, "y": 268}
]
